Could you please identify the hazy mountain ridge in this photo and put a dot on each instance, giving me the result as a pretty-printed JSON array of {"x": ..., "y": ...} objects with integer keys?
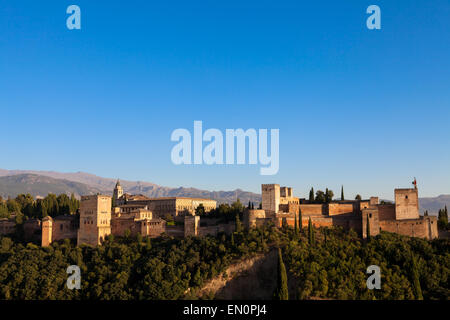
[
  {"x": 433, "y": 204},
  {"x": 82, "y": 183},
  {"x": 37, "y": 185}
]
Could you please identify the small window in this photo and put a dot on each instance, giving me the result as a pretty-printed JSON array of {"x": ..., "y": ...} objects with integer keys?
[
  {"x": 406, "y": 197},
  {"x": 370, "y": 215}
]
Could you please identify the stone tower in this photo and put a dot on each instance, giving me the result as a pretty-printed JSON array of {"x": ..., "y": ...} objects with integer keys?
[
  {"x": 406, "y": 204},
  {"x": 118, "y": 192},
  {"x": 191, "y": 224},
  {"x": 270, "y": 198},
  {"x": 95, "y": 219},
  {"x": 47, "y": 228}
]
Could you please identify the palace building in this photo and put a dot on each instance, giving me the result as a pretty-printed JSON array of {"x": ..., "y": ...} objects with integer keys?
[{"x": 176, "y": 207}]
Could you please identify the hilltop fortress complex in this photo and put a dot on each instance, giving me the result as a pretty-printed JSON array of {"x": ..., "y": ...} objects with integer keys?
[
  {"x": 279, "y": 206},
  {"x": 124, "y": 214}
]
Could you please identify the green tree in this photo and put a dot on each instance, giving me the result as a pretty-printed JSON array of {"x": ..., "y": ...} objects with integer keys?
[
  {"x": 443, "y": 218},
  {"x": 415, "y": 278},
  {"x": 200, "y": 210},
  {"x": 281, "y": 292},
  {"x": 310, "y": 233},
  {"x": 311, "y": 195},
  {"x": 358, "y": 197},
  {"x": 4, "y": 210},
  {"x": 239, "y": 227},
  {"x": 342, "y": 193},
  {"x": 237, "y": 206},
  {"x": 300, "y": 219},
  {"x": 328, "y": 195},
  {"x": 13, "y": 206},
  {"x": 295, "y": 226},
  {"x": 63, "y": 204},
  {"x": 320, "y": 196},
  {"x": 368, "y": 228},
  {"x": 74, "y": 203}
]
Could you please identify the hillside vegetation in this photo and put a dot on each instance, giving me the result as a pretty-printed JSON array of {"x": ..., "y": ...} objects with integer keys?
[{"x": 319, "y": 264}]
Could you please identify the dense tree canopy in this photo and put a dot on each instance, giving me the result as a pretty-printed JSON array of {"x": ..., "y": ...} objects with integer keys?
[
  {"x": 51, "y": 205},
  {"x": 336, "y": 268},
  {"x": 122, "y": 268},
  {"x": 329, "y": 265}
]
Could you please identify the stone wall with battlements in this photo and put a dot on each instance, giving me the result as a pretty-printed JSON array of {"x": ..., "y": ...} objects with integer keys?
[
  {"x": 340, "y": 208},
  {"x": 425, "y": 227},
  {"x": 386, "y": 211},
  {"x": 250, "y": 216}
]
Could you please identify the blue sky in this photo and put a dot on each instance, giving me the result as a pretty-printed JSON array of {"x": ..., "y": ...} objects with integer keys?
[{"x": 367, "y": 109}]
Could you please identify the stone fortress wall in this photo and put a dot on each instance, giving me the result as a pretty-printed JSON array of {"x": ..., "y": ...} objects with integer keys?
[
  {"x": 281, "y": 207},
  {"x": 134, "y": 216}
]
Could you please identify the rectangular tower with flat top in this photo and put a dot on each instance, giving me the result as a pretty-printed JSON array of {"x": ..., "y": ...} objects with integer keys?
[
  {"x": 406, "y": 204},
  {"x": 95, "y": 219}
]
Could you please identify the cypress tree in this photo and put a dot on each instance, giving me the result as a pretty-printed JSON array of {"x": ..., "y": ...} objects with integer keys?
[
  {"x": 281, "y": 292},
  {"x": 446, "y": 214},
  {"x": 249, "y": 205},
  {"x": 295, "y": 225},
  {"x": 253, "y": 206},
  {"x": 415, "y": 277},
  {"x": 311, "y": 195},
  {"x": 300, "y": 219},
  {"x": 238, "y": 224},
  {"x": 310, "y": 233},
  {"x": 443, "y": 218},
  {"x": 368, "y": 228},
  {"x": 342, "y": 193}
]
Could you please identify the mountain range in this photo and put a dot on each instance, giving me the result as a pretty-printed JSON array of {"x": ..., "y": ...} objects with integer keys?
[{"x": 40, "y": 183}]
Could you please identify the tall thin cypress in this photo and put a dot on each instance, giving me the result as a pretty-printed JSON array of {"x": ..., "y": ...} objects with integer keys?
[
  {"x": 295, "y": 225},
  {"x": 342, "y": 193},
  {"x": 368, "y": 228},
  {"x": 415, "y": 278},
  {"x": 310, "y": 233},
  {"x": 281, "y": 292},
  {"x": 300, "y": 220},
  {"x": 311, "y": 195}
]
